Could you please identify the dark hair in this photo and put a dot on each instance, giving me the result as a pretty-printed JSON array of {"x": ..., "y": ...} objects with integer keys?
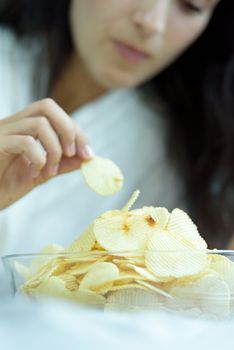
[
  {"x": 198, "y": 93},
  {"x": 41, "y": 19}
]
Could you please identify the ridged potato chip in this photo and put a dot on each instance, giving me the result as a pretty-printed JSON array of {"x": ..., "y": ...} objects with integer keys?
[
  {"x": 124, "y": 232},
  {"x": 224, "y": 267},
  {"x": 89, "y": 298},
  {"x": 131, "y": 201},
  {"x": 100, "y": 277},
  {"x": 70, "y": 281},
  {"x": 133, "y": 298},
  {"x": 129, "y": 285},
  {"x": 56, "y": 287},
  {"x": 53, "y": 267},
  {"x": 169, "y": 257},
  {"x": 160, "y": 215},
  {"x": 43, "y": 274},
  {"x": 209, "y": 293},
  {"x": 134, "y": 257},
  {"x": 84, "y": 243},
  {"x": 155, "y": 289},
  {"x": 44, "y": 258},
  {"x": 90, "y": 256},
  {"x": 143, "y": 272},
  {"x": 136, "y": 261},
  {"x": 102, "y": 175},
  {"x": 52, "y": 286},
  {"x": 127, "y": 275},
  {"x": 81, "y": 268},
  {"x": 23, "y": 270},
  {"x": 181, "y": 225}
]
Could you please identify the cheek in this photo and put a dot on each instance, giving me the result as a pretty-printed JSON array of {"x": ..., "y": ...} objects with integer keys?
[
  {"x": 89, "y": 23},
  {"x": 183, "y": 32},
  {"x": 92, "y": 15},
  {"x": 81, "y": 18}
]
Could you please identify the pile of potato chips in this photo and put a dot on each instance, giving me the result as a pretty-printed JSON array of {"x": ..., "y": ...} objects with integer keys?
[{"x": 137, "y": 259}]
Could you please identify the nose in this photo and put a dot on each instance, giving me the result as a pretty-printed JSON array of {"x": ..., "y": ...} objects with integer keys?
[{"x": 152, "y": 19}]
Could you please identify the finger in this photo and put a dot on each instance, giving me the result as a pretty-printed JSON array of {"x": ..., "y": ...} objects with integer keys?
[
  {"x": 39, "y": 128},
  {"x": 24, "y": 145},
  {"x": 62, "y": 123},
  {"x": 84, "y": 150},
  {"x": 66, "y": 165},
  {"x": 69, "y": 164}
]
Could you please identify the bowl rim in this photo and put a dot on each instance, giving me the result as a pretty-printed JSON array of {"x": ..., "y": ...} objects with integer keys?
[{"x": 227, "y": 252}]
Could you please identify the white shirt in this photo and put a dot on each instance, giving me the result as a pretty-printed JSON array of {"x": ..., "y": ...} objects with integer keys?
[
  {"x": 119, "y": 125},
  {"x": 55, "y": 325}
]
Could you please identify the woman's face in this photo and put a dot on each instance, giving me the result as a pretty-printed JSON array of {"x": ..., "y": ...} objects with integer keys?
[{"x": 123, "y": 43}]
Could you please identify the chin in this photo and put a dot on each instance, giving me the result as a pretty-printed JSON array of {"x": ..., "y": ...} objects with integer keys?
[{"x": 118, "y": 80}]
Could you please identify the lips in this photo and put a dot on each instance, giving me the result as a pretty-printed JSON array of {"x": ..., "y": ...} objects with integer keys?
[{"x": 130, "y": 52}]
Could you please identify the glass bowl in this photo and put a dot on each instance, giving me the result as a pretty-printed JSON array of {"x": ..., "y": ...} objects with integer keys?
[{"x": 192, "y": 283}]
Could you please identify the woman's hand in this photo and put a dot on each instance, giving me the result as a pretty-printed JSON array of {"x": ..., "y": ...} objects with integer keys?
[{"x": 36, "y": 144}]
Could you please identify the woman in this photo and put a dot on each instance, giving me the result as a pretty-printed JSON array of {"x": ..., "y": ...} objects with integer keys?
[{"x": 159, "y": 72}]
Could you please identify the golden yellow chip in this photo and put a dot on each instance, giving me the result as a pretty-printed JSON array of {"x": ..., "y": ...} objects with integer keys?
[
  {"x": 71, "y": 282},
  {"x": 169, "y": 257},
  {"x": 133, "y": 298},
  {"x": 133, "y": 257},
  {"x": 23, "y": 270},
  {"x": 123, "y": 232},
  {"x": 87, "y": 297},
  {"x": 127, "y": 275},
  {"x": 181, "y": 225},
  {"x": 154, "y": 288},
  {"x": 129, "y": 285},
  {"x": 84, "y": 257},
  {"x": 224, "y": 267},
  {"x": 137, "y": 260},
  {"x": 75, "y": 266},
  {"x": 84, "y": 243},
  {"x": 52, "y": 286},
  {"x": 159, "y": 215},
  {"x": 83, "y": 267},
  {"x": 144, "y": 273},
  {"x": 124, "y": 262},
  {"x": 100, "y": 277},
  {"x": 102, "y": 176},
  {"x": 56, "y": 287},
  {"x": 209, "y": 293},
  {"x": 97, "y": 246},
  {"x": 131, "y": 201},
  {"x": 42, "y": 275},
  {"x": 41, "y": 260}
]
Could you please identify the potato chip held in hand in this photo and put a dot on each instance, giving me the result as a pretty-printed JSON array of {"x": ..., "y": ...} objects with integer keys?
[{"x": 102, "y": 175}]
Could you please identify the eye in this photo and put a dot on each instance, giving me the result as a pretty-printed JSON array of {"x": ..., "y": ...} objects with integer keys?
[{"x": 191, "y": 7}]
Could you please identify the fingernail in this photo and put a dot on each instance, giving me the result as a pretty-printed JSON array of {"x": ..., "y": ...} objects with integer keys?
[
  {"x": 52, "y": 170},
  {"x": 71, "y": 150},
  {"x": 87, "y": 152}
]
